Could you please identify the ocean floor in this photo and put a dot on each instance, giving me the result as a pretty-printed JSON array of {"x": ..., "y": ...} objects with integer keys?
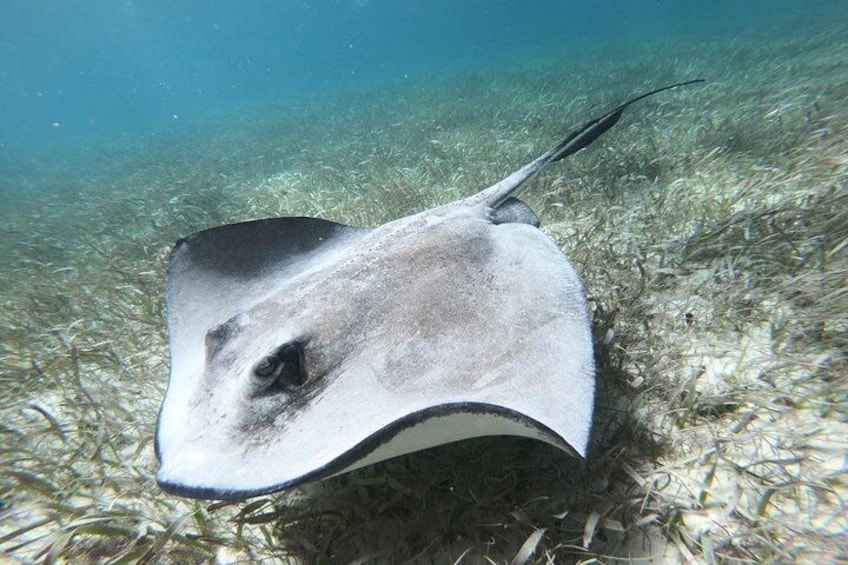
[{"x": 710, "y": 227}]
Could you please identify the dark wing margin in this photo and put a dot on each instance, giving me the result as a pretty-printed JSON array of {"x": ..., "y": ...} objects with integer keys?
[
  {"x": 246, "y": 250},
  {"x": 217, "y": 273},
  {"x": 348, "y": 459}
]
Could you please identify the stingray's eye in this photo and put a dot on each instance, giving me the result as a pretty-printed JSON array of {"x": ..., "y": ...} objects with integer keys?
[
  {"x": 268, "y": 367},
  {"x": 280, "y": 371}
]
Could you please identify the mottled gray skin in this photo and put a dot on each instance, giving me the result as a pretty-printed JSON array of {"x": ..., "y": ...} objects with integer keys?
[{"x": 301, "y": 348}]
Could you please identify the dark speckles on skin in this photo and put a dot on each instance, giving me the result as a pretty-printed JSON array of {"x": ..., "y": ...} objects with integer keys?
[{"x": 219, "y": 336}]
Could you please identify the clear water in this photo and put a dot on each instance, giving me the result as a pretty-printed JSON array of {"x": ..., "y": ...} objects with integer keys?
[{"x": 78, "y": 77}]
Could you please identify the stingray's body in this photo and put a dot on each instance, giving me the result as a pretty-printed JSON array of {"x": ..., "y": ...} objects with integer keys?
[{"x": 303, "y": 348}]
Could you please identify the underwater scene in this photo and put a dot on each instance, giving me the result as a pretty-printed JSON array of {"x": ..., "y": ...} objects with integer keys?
[{"x": 708, "y": 224}]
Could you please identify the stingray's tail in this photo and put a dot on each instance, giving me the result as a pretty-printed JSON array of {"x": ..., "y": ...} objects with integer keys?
[{"x": 496, "y": 194}]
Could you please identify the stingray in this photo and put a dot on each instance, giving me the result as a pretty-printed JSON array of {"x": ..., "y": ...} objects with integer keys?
[{"x": 303, "y": 348}]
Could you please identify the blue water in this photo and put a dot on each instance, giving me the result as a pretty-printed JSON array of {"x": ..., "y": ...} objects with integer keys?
[{"x": 80, "y": 76}]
